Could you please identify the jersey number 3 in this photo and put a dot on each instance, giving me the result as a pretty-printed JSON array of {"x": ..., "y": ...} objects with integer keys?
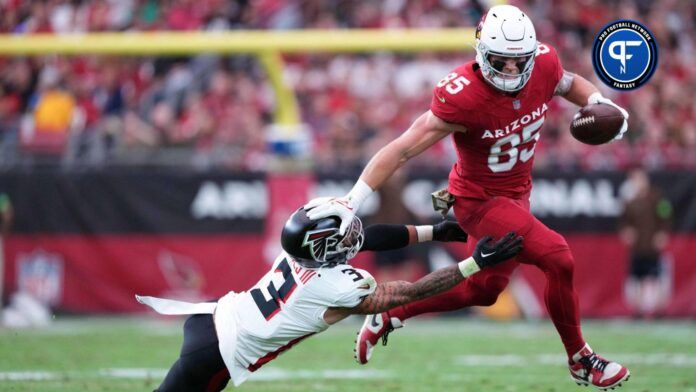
[{"x": 270, "y": 307}]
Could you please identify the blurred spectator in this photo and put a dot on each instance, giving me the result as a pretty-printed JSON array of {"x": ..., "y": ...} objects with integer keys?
[
  {"x": 52, "y": 109},
  {"x": 6, "y": 215},
  {"x": 212, "y": 111},
  {"x": 53, "y": 105},
  {"x": 644, "y": 224}
]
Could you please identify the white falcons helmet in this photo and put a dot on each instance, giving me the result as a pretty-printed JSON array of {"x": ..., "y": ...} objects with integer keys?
[{"x": 506, "y": 31}]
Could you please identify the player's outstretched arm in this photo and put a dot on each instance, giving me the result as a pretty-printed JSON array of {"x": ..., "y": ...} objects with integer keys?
[
  {"x": 391, "y": 294},
  {"x": 427, "y": 130},
  {"x": 381, "y": 237}
]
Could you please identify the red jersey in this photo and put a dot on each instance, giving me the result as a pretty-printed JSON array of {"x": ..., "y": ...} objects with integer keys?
[{"x": 496, "y": 153}]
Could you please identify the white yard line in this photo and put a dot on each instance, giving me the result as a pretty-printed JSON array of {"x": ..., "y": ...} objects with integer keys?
[
  {"x": 504, "y": 360},
  {"x": 266, "y": 374},
  {"x": 28, "y": 376},
  {"x": 273, "y": 374},
  {"x": 136, "y": 373}
]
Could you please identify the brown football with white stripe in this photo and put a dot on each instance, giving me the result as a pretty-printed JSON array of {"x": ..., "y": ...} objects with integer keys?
[{"x": 596, "y": 124}]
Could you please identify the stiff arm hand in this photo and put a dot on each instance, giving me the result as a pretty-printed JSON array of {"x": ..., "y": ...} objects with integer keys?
[{"x": 344, "y": 207}]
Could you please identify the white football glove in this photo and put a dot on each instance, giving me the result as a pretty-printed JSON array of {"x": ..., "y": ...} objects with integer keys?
[
  {"x": 598, "y": 98},
  {"x": 344, "y": 207},
  {"x": 340, "y": 207},
  {"x": 316, "y": 202}
]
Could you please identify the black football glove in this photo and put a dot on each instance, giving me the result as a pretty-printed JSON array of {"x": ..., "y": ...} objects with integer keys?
[
  {"x": 487, "y": 255},
  {"x": 447, "y": 231}
]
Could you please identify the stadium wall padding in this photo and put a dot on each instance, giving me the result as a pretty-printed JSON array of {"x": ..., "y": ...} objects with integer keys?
[{"x": 88, "y": 241}]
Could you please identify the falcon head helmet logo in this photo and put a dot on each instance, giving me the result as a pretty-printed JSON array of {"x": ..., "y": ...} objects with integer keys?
[{"x": 321, "y": 242}]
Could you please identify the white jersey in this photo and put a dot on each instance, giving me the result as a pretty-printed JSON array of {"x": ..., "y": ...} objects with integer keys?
[{"x": 284, "y": 307}]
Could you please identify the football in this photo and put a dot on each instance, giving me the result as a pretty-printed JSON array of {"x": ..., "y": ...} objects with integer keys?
[{"x": 596, "y": 124}]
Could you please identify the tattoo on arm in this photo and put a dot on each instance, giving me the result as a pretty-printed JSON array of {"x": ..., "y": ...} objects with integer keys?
[
  {"x": 564, "y": 84},
  {"x": 391, "y": 294}
]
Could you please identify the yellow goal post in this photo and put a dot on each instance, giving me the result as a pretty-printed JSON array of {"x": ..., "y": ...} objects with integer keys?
[{"x": 267, "y": 45}]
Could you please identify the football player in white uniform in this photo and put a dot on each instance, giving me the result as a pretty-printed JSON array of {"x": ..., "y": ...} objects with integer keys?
[{"x": 309, "y": 287}]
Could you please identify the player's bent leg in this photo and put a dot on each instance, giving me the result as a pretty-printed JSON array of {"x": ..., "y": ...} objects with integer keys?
[
  {"x": 375, "y": 327},
  {"x": 200, "y": 366},
  {"x": 481, "y": 289},
  {"x": 588, "y": 368},
  {"x": 543, "y": 247},
  {"x": 175, "y": 380},
  {"x": 494, "y": 217},
  {"x": 561, "y": 298},
  {"x": 549, "y": 251}
]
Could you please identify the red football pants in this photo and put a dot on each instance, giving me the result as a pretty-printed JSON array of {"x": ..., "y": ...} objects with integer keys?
[{"x": 543, "y": 248}]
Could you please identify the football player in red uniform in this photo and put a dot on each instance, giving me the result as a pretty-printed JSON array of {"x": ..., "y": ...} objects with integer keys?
[{"x": 494, "y": 107}]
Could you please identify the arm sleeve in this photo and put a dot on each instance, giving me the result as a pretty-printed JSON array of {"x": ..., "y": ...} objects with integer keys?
[
  {"x": 385, "y": 237},
  {"x": 4, "y": 202}
]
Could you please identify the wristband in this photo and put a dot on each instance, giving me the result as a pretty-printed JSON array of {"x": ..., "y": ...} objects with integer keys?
[
  {"x": 359, "y": 193},
  {"x": 424, "y": 233},
  {"x": 468, "y": 267}
]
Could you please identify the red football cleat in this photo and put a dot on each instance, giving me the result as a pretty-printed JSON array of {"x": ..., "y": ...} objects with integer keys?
[
  {"x": 376, "y": 326},
  {"x": 588, "y": 368}
]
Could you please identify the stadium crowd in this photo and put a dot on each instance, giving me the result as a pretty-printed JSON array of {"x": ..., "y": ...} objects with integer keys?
[{"x": 209, "y": 110}]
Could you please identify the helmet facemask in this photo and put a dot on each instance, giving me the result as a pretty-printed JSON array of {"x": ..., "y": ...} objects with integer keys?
[
  {"x": 352, "y": 240},
  {"x": 328, "y": 248},
  {"x": 493, "y": 70}
]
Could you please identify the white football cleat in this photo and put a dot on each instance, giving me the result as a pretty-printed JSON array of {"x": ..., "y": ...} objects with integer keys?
[
  {"x": 376, "y": 326},
  {"x": 588, "y": 368}
]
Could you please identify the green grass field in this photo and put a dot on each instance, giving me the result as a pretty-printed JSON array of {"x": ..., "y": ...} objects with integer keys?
[{"x": 454, "y": 354}]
